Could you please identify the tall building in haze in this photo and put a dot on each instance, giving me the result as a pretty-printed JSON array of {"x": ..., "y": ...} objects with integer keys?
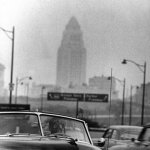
[{"x": 71, "y": 56}]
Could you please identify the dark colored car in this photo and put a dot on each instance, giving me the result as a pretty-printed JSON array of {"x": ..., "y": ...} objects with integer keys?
[
  {"x": 142, "y": 143},
  {"x": 118, "y": 134},
  {"x": 43, "y": 131}
]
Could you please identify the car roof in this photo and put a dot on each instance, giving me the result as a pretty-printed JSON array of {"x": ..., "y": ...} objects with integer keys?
[{"x": 124, "y": 127}]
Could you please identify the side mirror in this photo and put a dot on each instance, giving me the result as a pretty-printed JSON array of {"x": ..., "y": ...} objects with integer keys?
[
  {"x": 101, "y": 142},
  {"x": 132, "y": 139}
]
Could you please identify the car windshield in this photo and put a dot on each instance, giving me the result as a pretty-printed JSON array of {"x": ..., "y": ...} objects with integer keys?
[
  {"x": 125, "y": 133},
  {"x": 17, "y": 124},
  {"x": 26, "y": 124},
  {"x": 63, "y": 127}
]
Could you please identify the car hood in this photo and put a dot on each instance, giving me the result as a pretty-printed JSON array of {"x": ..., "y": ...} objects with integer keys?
[{"x": 40, "y": 143}]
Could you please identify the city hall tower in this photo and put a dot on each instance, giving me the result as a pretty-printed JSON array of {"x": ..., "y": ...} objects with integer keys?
[{"x": 71, "y": 56}]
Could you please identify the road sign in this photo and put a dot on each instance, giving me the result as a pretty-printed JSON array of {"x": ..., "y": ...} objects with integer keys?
[
  {"x": 65, "y": 96},
  {"x": 14, "y": 107},
  {"x": 96, "y": 97}
]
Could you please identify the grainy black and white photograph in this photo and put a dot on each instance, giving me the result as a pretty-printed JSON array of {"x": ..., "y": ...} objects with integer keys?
[{"x": 74, "y": 74}]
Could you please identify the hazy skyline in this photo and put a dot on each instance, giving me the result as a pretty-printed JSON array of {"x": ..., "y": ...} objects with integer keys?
[{"x": 112, "y": 30}]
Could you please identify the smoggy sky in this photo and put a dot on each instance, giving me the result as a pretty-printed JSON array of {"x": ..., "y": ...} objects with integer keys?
[{"x": 112, "y": 30}]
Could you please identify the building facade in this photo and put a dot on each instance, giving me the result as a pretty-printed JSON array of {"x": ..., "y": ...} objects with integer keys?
[
  {"x": 71, "y": 56},
  {"x": 102, "y": 82}
]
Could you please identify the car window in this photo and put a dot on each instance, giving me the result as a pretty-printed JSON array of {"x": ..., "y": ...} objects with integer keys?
[
  {"x": 129, "y": 133},
  {"x": 108, "y": 133},
  {"x": 114, "y": 135},
  {"x": 146, "y": 136},
  {"x": 19, "y": 124}
]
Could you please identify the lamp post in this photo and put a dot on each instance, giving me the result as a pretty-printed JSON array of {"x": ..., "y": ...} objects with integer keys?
[
  {"x": 142, "y": 68},
  {"x": 123, "y": 82},
  {"x": 42, "y": 91},
  {"x": 77, "y": 107},
  {"x": 110, "y": 95},
  {"x": 122, "y": 120},
  {"x": 130, "y": 113},
  {"x": 19, "y": 81},
  {"x": 11, "y": 85},
  {"x": 27, "y": 93}
]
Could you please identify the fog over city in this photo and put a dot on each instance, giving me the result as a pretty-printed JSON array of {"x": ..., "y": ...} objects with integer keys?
[{"x": 112, "y": 30}]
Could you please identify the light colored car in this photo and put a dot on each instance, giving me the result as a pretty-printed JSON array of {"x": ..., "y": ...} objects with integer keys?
[
  {"x": 43, "y": 131},
  {"x": 142, "y": 142},
  {"x": 119, "y": 134}
]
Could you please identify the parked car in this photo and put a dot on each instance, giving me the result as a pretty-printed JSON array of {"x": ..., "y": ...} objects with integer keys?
[
  {"x": 118, "y": 134},
  {"x": 43, "y": 131},
  {"x": 142, "y": 143}
]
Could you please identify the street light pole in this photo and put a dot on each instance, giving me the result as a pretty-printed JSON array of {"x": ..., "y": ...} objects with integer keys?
[
  {"x": 142, "y": 68},
  {"x": 77, "y": 108},
  {"x": 143, "y": 96},
  {"x": 27, "y": 92},
  {"x": 43, "y": 87},
  {"x": 123, "y": 99},
  {"x": 11, "y": 85},
  {"x": 12, "y": 64},
  {"x": 110, "y": 96},
  {"x": 130, "y": 113}
]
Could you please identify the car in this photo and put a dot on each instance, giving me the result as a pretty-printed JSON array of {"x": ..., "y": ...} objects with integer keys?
[
  {"x": 118, "y": 134},
  {"x": 43, "y": 131},
  {"x": 141, "y": 143}
]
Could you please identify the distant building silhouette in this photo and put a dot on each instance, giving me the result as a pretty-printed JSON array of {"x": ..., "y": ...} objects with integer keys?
[
  {"x": 71, "y": 56},
  {"x": 102, "y": 82},
  {"x": 137, "y": 97}
]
